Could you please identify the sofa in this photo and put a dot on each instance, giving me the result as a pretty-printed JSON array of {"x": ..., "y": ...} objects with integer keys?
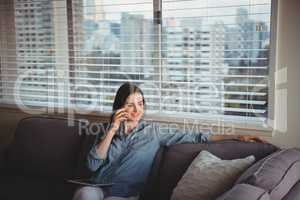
[
  {"x": 274, "y": 176},
  {"x": 46, "y": 151}
]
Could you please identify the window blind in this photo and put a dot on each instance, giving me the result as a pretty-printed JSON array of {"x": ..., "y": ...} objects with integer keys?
[
  {"x": 217, "y": 52},
  {"x": 192, "y": 58}
]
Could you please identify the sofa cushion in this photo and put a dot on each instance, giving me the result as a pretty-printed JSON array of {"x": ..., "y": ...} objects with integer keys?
[
  {"x": 277, "y": 173},
  {"x": 209, "y": 176},
  {"x": 45, "y": 147},
  {"x": 240, "y": 191},
  {"x": 174, "y": 160}
]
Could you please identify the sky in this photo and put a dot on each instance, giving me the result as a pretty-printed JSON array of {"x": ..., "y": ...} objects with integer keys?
[{"x": 178, "y": 8}]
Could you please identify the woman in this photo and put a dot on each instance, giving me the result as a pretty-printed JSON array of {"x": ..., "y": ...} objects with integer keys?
[{"x": 124, "y": 153}]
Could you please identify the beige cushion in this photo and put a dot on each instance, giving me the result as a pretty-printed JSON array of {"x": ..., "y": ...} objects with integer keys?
[{"x": 209, "y": 176}]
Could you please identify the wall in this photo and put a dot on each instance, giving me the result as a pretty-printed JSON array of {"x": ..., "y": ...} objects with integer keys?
[{"x": 287, "y": 108}]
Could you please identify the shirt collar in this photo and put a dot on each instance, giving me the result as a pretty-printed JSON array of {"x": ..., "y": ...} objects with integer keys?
[{"x": 140, "y": 125}]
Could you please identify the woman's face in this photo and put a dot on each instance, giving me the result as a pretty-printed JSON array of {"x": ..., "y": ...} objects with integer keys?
[{"x": 134, "y": 106}]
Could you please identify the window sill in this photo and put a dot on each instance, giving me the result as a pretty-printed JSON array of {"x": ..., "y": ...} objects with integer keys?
[{"x": 215, "y": 126}]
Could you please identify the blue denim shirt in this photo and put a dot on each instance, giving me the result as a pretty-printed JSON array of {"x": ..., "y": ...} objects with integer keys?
[{"x": 129, "y": 157}]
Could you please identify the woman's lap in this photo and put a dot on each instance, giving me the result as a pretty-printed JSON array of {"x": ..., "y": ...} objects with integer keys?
[
  {"x": 88, "y": 193},
  {"x": 96, "y": 193}
]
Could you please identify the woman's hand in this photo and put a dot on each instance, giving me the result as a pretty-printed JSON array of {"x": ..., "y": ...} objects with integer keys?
[
  {"x": 250, "y": 138},
  {"x": 243, "y": 138},
  {"x": 118, "y": 117}
]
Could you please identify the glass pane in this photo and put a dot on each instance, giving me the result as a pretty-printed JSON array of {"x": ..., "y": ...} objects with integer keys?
[
  {"x": 36, "y": 77},
  {"x": 115, "y": 43},
  {"x": 216, "y": 58}
]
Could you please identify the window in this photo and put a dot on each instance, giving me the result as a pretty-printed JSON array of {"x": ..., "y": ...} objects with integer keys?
[{"x": 194, "y": 59}]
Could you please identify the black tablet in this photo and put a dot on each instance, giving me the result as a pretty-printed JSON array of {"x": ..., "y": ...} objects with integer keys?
[{"x": 88, "y": 182}]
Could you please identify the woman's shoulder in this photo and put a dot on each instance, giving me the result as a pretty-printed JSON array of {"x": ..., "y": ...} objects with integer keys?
[{"x": 150, "y": 125}]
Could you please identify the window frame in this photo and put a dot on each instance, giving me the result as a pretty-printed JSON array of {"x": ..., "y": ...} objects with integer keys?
[{"x": 157, "y": 16}]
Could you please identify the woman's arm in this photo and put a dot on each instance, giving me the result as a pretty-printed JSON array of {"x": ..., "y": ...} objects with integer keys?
[
  {"x": 243, "y": 138},
  {"x": 168, "y": 136},
  {"x": 98, "y": 153},
  {"x": 118, "y": 117},
  {"x": 103, "y": 146}
]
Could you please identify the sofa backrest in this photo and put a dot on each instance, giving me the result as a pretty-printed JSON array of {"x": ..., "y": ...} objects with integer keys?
[
  {"x": 171, "y": 162},
  {"x": 46, "y": 146}
]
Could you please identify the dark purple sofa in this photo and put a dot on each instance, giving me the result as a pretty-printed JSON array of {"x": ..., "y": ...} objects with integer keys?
[
  {"x": 171, "y": 163},
  {"x": 46, "y": 151}
]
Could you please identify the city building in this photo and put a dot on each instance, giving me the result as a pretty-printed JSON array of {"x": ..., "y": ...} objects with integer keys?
[
  {"x": 35, "y": 51},
  {"x": 193, "y": 66}
]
